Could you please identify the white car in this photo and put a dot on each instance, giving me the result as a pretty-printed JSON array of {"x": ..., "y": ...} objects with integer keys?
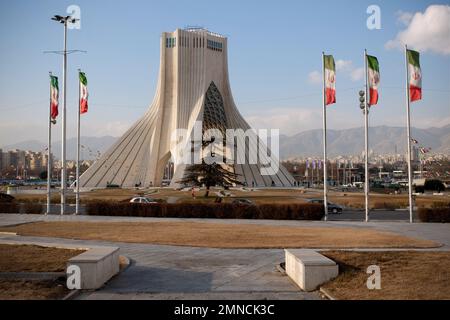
[{"x": 142, "y": 200}]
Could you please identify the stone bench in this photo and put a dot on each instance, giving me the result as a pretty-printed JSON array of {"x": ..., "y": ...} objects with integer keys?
[
  {"x": 97, "y": 266},
  {"x": 308, "y": 268}
]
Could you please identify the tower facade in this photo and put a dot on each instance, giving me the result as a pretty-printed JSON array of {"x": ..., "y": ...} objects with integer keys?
[{"x": 193, "y": 87}]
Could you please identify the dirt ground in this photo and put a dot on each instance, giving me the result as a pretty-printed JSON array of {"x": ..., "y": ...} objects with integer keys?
[
  {"x": 404, "y": 275},
  {"x": 223, "y": 235},
  {"x": 31, "y": 258}
]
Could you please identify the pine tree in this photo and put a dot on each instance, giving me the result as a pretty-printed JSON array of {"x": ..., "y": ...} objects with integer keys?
[{"x": 209, "y": 175}]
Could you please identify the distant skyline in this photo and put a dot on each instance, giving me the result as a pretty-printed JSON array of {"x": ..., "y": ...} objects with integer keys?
[
  {"x": 280, "y": 89},
  {"x": 385, "y": 140}
]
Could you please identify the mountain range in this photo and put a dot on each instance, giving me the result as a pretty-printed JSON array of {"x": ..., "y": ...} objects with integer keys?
[{"x": 382, "y": 140}]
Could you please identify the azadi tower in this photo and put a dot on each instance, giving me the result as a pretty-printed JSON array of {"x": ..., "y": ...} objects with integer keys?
[{"x": 193, "y": 87}]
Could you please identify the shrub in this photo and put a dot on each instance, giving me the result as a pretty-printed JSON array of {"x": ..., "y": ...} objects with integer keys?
[
  {"x": 434, "y": 185},
  {"x": 32, "y": 208},
  {"x": 10, "y": 207},
  {"x": 6, "y": 198},
  {"x": 440, "y": 214},
  {"x": 419, "y": 189},
  {"x": 390, "y": 205},
  {"x": 306, "y": 211}
]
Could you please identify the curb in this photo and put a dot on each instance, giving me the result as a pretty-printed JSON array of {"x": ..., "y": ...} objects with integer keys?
[
  {"x": 326, "y": 294},
  {"x": 126, "y": 264},
  {"x": 72, "y": 295},
  {"x": 8, "y": 233},
  {"x": 281, "y": 269}
]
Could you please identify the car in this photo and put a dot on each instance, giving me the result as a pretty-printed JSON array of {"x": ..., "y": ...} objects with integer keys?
[
  {"x": 242, "y": 202},
  {"x": 332, "y": 207},
  {"x": 142, "y": 200}
]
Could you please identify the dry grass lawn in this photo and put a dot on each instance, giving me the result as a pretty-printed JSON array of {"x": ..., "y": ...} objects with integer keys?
[
  {"x": 223, "y": 235},
  {"x": 31, "y": 258},
  {"x": 31, "y": 290},
  {"x": 404, "y": 275}
]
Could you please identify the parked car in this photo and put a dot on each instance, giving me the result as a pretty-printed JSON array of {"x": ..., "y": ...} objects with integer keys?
[
  {"x": 332, "y": 207},
  {"x": 242, "y": 202},
  {"x": 142, "y": 200}
]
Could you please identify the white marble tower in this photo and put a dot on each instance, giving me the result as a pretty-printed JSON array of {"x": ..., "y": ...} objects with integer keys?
[{"x": 193, "y": 86}]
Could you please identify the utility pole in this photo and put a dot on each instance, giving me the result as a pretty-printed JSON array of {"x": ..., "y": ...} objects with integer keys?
[{"x": 64, "y": 20}]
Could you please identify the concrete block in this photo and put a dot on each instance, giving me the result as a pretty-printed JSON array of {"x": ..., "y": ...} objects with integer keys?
[
  {"x": 308, "y": 268},
  {"x": 97, "y": 266}
]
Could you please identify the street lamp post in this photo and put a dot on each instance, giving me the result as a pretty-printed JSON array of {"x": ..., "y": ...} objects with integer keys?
[{"x": 64, "y": 20}]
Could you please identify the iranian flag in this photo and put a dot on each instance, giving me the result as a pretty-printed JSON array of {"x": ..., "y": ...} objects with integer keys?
[
  {"x": 374, "y": 79},
  {"x": 415, "y": 75},
  {"x": 54, "y": 97},
  {"x": 83, "y": 93},
  {"x": 330, "y": 80}
]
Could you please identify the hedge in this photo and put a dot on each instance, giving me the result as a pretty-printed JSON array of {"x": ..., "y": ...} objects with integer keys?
[
  {"x": 434, "y": 214},
  {"x": 9, "y": 207},
  {"x": 27, "y": 207},
  {"x": 306, "y": 211}
]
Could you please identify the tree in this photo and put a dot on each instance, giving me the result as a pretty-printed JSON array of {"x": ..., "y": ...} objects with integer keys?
[
  {"x": 209, "y": 175},
  {"x": 434, "y": 185},
  {"x": 43, "y": 175}
]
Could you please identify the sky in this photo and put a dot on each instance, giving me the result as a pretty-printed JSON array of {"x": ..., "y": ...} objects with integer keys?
[{"x": 274, "y": 63}]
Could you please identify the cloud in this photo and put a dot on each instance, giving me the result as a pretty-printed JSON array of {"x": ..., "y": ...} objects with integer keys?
[
  {"x": 348, "y": 69},
  {"x": 357, "y": 74},
  {"x": 17, "y": 131},
  {"x": 431, "y": 122},
  {"x": 288, "y": 120},
  {"x": 404, "y": 17},
  {"x": 344, "y": 65},
  {"x": 428, "y": 31},
  {"x": 114, "y": 128},
  {"x": 315, "y": 77}
]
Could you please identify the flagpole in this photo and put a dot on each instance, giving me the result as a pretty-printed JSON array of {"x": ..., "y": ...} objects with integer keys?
[
  {"x": 49, "y": 149},
  {"x": 408, "y": 125},
  {"x": 366, "y": 140},
  {"x": 63, "y": 147},
  {"x": 77, "y": 179},
  {"x": 325, "y": 189}
]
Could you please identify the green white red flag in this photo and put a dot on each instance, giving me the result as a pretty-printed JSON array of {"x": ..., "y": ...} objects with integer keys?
[
  {"x": 330, "y": 79},
  {"x": 374, "y": 79},
  {"x": 415, "y": 75},
  {"x": 54, "y": 97},
  {"x": 83, "y": 93}
]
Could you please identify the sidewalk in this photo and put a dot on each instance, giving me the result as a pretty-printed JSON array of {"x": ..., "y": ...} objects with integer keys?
[
  {"x": 170, "y": 272},
  {"x": 174, "y": 272}
]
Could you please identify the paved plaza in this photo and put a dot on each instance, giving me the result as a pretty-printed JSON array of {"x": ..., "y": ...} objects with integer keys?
[{"x": 179, "y": 272}]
